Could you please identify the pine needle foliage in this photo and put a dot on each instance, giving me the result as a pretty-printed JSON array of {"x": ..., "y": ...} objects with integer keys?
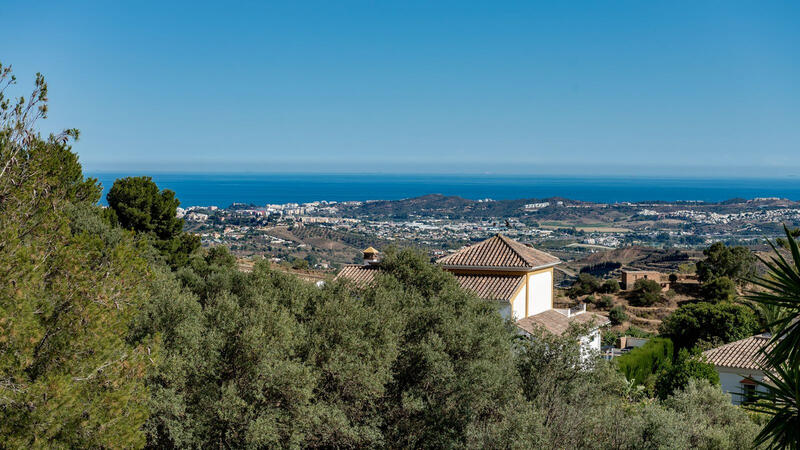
[{"x": 69, "y": 286}]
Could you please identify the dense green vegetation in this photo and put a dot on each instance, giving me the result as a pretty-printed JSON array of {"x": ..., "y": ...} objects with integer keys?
[
  {"x": 645, "y": 293},
  {"x": 117, "y": 331},
  {"x": 604, "y": 302},
  {"x": 709, "y": 324},
  {"x": 602, "y": 268},
  {"x": 617, "y": 315},
  {"x": 264, "y": 359},
  {"x": 136, "y": 203},
  {"x": 610, "y": 287},
  {"x": 661, "y": 371},
  {"x": 642, "y": 364},
  {"x": 717, "y": 318},
  {"x": 719, "y": 290},
  {"x": 677, "y": 375},
  {"x": 735, "y": 263},
  {"x": 585, "y": 284},
  {"x": 69, "y": 376}
]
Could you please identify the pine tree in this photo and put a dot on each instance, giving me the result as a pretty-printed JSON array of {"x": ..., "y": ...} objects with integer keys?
[{"x": 70, "y": 285}]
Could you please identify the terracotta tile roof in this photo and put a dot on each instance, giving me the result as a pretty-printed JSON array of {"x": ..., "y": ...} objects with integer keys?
[
  {"x": 742, "y": 354},
  {"x": 491, "y": 287},
  {"x": 487, "y": 287},
  {"x": 499, "y": 252},
  {"x": 358, "y": 274},
  {"x": 557, "y": 323}
]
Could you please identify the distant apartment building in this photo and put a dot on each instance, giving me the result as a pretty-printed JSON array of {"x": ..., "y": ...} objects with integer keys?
[
  {"x": 535, "y": 206},
  {"x": 196, "y": 217}
]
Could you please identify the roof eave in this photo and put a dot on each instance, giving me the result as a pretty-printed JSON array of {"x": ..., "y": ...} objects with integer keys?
[{"x": 725, "y": 366}]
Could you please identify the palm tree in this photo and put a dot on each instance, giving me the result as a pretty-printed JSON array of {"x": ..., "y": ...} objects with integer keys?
[
  {"x": 771, "y": 314},
  {"x": 779, "y": 400},
  {"x": 779, "y": 396}
]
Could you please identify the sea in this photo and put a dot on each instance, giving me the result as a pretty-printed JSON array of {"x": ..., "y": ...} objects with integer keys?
[{"x": 197, "y": 189}]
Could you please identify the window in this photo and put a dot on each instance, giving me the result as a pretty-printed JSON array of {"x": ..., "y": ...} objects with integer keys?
[{"x": 748, "y": 391}]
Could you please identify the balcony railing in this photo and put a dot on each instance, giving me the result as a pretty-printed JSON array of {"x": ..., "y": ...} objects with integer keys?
[{"x": 575, "y": 310}]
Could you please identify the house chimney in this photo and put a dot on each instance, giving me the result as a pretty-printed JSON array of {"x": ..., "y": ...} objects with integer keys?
[{"x": 371, "y": 256}]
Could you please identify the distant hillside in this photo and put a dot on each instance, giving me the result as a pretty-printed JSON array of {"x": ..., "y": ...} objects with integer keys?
[
  {"x": 641, "y": 257},
  {"x": 433, "y": 204},
  {"x": 438, "y": 205},
  {"x": 541, "y": 209}
]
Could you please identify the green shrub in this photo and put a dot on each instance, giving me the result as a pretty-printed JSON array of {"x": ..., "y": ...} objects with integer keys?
[
  {"x": 609, "y": 337},
  {"x": 719, "y": 290},
  {"x": 716, "y": 323},
  {"x": 646, "y": 293},
  {"x": 604, "y": 302},
  {"x": 646, "y": 285},
  {"x": 643, "y": 363},
  {"x": 585, "y": 284},
  {"x": 299, "y": 264},
  {"x": 646, "y": 299},
  {"x": 686, "y": 367},
  {"x": 610, "y": 287},
  {"x": 617, "y": 315},
  {"x": 736, "y": 263}
]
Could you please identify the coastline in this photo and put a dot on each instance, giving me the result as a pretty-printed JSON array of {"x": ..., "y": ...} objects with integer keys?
[{"x": 225, "y": 189}]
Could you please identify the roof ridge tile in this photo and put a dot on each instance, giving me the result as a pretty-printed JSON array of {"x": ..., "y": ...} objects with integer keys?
[{"x": 499, "y": 251}]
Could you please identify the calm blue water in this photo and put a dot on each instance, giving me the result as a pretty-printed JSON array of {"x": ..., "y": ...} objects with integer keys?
[{"x": 224, "y": 189}]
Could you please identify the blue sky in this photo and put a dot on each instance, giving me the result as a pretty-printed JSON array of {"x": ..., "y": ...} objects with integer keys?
[{"x": 587, "y": 88}]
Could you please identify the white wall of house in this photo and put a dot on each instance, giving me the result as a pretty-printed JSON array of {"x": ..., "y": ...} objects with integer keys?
[
  {"x": 594, "y": 341},
  {"x": 729, "y": 381},
  {"x": 540, "y": 292},
  {"x": 590, "y": 343},
  {"x": 518, "y": 305}
]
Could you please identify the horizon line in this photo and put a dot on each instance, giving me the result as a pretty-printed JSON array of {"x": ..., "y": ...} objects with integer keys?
[{"x": 574, "y": 175}]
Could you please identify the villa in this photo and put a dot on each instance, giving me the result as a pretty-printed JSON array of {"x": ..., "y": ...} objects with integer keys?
[
  {"x": 516, "y": 277},
  {"x": 738, "y": 363}
]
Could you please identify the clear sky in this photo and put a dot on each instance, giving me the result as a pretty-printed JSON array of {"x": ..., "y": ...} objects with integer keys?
[{"x": 607, "y": 87}]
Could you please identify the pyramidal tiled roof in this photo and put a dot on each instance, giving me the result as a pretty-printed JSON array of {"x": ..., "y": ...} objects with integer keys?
[
  {"x": 491, "y": 287},
  {"x": 499, "y": 252},
  {"x": 741, "y": 354}
]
